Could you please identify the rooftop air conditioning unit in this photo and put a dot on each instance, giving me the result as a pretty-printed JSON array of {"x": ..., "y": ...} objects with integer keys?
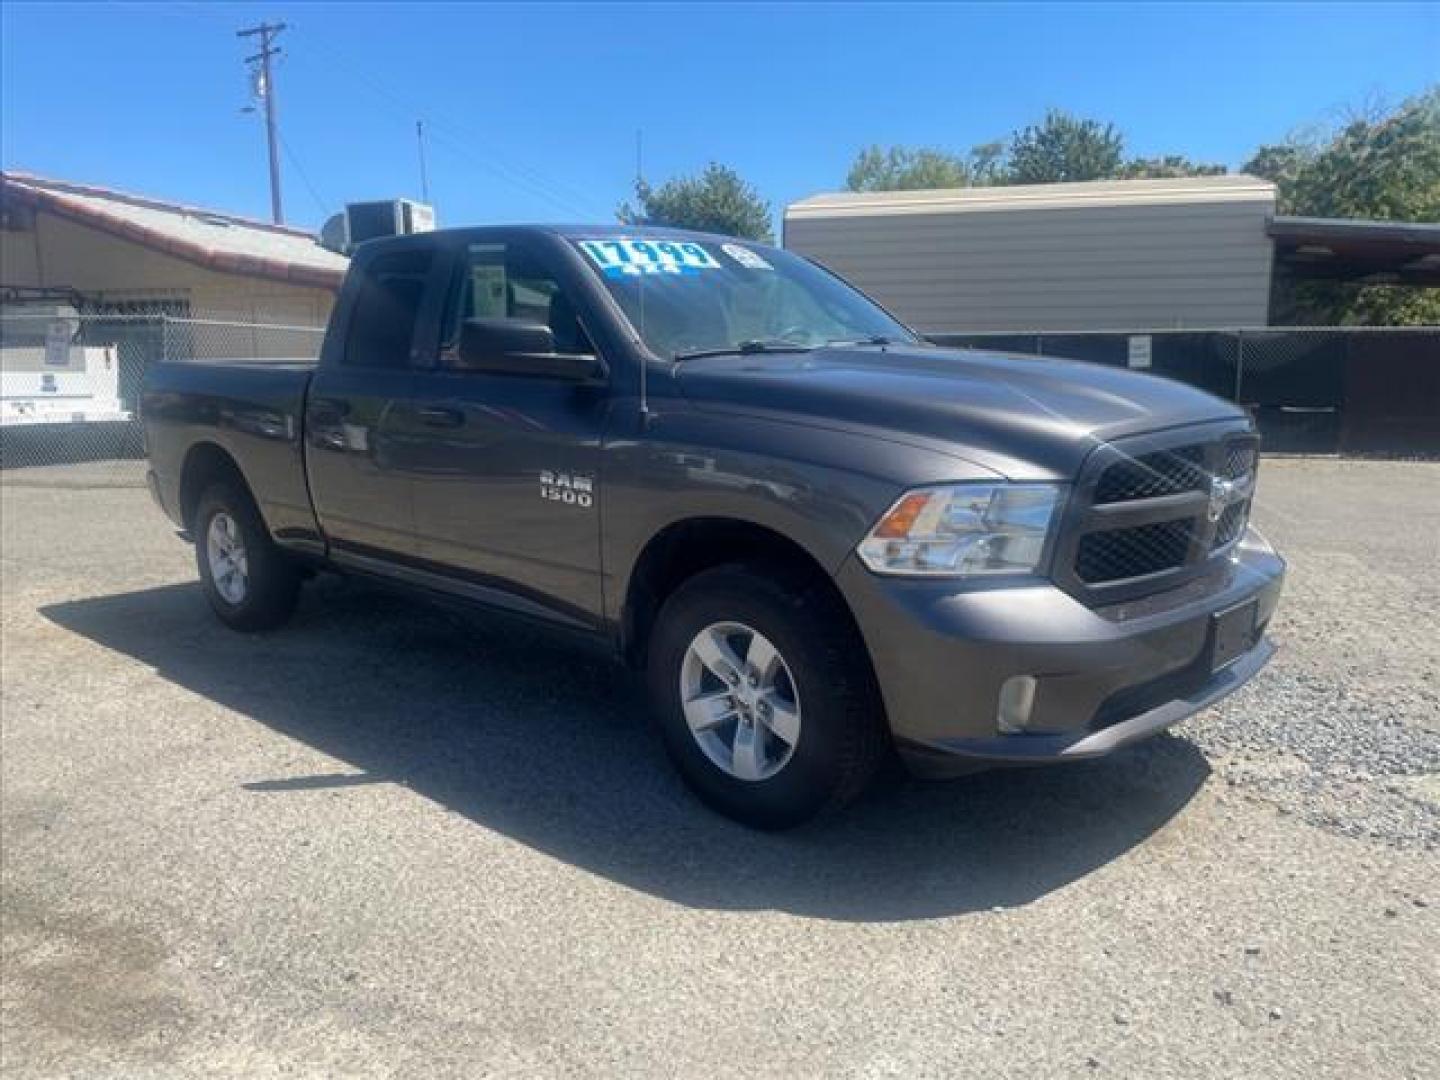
[{"x": 388, "y": 217}]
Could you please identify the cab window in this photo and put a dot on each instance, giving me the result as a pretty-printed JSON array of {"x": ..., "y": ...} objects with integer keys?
[{"x": 382, "y": 328}]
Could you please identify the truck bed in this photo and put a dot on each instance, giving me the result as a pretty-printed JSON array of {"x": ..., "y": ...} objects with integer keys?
[{"x": 252, "y": 409}]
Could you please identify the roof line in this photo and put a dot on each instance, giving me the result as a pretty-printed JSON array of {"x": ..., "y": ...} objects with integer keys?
[
  {"x": 1228, "y": 188},
  {"x": 149, "y": 202},
  {"x": 20, "y": 185},
  {"x": 1287, "y": 226}
]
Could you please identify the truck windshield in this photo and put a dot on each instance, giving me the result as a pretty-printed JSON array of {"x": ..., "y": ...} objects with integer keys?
[{"x": 692, "y": 297}]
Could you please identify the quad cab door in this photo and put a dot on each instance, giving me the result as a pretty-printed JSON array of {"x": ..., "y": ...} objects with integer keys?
[
  {"x": 506, "y": 465},
  {"x": 358, "y": 421}
]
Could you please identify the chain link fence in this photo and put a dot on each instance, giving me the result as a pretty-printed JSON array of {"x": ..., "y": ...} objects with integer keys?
[
  {"x": 72, "y": 382},
  {"x": 1350, "y": 390}
]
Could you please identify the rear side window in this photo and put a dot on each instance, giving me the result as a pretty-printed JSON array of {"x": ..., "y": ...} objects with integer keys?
[{"x": 382, "y": 328}]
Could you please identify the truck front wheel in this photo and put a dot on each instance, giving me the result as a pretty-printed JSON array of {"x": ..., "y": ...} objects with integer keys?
[
  {"x": 764, "y": 695},
  {"x": 250, "y": 583}
]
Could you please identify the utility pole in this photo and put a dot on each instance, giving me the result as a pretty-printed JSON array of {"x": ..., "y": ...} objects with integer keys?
[
  {"x": 424, "y": 173},
  {"x": 268, "y": 32}
]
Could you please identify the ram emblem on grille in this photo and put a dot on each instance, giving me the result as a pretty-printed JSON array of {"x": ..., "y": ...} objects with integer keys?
[{"x": 1222, "y": 493}]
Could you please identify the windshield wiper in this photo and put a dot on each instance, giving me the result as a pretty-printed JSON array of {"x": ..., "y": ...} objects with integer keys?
[{"x": 747, "y": 348}]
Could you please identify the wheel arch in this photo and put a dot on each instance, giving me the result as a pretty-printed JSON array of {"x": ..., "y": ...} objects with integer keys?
[
  {"x": 690, "y": 546},
  {"x": 206, "y": 463}
]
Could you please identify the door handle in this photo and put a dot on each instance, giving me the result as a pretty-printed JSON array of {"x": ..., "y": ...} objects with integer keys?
[
  {"x": 326, "y": 409},
  {"x": 440, "y": 416}
]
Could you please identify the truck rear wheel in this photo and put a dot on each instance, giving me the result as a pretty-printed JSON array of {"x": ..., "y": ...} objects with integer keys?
[
  {"x": 764, "y": 695},
  {"x": 250, "y": 583}
]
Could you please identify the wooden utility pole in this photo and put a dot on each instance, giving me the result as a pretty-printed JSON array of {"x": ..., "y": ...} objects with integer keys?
[{"x": 268, "y": 32}]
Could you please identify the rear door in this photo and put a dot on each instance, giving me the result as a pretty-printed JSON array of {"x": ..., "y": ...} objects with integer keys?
[
  {"x": 506, "y": 485},
  {"x": 358, "y": 419}
]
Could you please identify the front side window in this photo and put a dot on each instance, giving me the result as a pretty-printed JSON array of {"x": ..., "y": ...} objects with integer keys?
[
  {"x": 695, "y": 296},
  {"x": 507, "y": 281}
]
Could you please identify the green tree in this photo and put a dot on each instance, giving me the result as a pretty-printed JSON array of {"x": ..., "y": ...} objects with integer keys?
[
  {"x": 1167, "y": 167},
  {"x": 1059, "y": 148},
  {"x": 1384, "y": 167},
  {"x": 1063, "y": 148},
  {"x": 717, "y": 201},
  {"x": 988, "y": 164},
  {"x": 900, "y": 168},
  {"x": 903, "y": 168}
]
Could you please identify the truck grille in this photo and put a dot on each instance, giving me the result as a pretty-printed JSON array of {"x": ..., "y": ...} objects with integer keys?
[
  {"x": 1134, "y": 552},
  {"x": 1231, "y": 525},
  {"x": 1147, "y": 514},
  {"x": 1165, "y": 472}
]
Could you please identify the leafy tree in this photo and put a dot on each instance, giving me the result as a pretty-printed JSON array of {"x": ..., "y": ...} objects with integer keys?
[
  {"x": 1280, "y": 164},
  {"x": 717, "y": 201},
  {"x": 1384, "y": 167},
  {"x": 1064, "y": 148},
  {"x": 900, "y": 168},
  {"x": 988, "y": 164},
  {"x": 1059, "y": 148},
  {"x": 1167, "y": 167}
]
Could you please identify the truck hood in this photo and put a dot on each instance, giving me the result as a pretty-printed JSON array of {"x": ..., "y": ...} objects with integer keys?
[{"x": 1024, "y": 417}]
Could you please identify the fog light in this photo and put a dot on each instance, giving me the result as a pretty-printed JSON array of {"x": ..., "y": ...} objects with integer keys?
[{"x": 1017, "y": 698}]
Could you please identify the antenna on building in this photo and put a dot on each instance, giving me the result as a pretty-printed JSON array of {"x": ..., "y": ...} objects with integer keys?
[
  {"x": 424, "y": 172},
  {"x": 264, "y": 87}
]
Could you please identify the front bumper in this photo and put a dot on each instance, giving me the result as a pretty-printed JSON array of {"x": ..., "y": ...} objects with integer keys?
[{"x": 1104, "y": 677}]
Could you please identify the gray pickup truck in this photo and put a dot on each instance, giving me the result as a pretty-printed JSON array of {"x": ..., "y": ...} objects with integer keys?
[{"x": 821, "y": 539}]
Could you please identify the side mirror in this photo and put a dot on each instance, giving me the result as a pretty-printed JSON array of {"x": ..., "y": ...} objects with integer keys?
[{"x": 517, "y": 347}]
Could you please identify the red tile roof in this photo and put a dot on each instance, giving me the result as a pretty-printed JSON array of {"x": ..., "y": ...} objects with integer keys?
[{"x": 222, "y": 242}]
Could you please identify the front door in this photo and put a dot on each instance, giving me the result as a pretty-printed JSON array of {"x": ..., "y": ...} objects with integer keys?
[{"x": 505, "y": 469}]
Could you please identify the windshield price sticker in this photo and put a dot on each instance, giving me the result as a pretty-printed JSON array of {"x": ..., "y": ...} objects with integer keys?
[
  {"x": 751, "y": 260},
  {"x": 632, "y": 258}
]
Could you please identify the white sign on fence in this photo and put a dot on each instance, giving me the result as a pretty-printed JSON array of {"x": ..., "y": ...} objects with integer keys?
[{"x": 57, "y": 345}]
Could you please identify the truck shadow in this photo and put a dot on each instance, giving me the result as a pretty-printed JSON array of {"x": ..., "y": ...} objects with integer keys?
[{"x": 522, "y": 733}]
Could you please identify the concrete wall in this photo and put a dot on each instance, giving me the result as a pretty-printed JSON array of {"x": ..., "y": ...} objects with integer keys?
[
  {"x": 60, "y": 253},
  {"x": 1006, "y": 259}
]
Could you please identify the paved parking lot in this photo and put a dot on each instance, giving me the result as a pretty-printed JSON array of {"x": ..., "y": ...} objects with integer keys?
[{"x": 394, "y": 840}]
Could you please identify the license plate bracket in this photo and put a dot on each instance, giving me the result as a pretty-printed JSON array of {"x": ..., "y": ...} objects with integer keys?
[{"x": 1232, "y": 632}]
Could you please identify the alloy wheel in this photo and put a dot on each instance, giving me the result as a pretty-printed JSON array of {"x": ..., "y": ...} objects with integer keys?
[{"x": 740, "y": 701}]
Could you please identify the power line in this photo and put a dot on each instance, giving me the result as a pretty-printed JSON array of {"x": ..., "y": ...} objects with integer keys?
[
  {"x": 320, "y": 203},
  {"x": 563, "y": 196},
  {"x": 446, "y": 132}
]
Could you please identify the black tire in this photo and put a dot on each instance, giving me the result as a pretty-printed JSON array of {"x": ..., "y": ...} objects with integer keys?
[
  {"x": 272, "y": 581},
  {"x": 843, "y": 736}
]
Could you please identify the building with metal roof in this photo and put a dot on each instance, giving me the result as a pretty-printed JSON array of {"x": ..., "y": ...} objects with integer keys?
[{"x": 1125, "y": 255}]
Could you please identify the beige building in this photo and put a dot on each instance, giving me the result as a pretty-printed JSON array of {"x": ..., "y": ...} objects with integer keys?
[
  {"x": 112, "y": 253},
  {"x": 1125, "y": 254}
]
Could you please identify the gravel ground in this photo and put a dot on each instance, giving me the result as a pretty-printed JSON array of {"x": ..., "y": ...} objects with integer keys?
[
  {"x": 1345, "y": 727},
  {"x": 390, "y": 840}
]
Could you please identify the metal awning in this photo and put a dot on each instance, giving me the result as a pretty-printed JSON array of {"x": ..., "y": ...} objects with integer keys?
[{"x": 1368, "y": 252}]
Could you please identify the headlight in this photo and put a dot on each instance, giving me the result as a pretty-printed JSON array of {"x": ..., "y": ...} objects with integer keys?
[{"x": 962, "y": 530}]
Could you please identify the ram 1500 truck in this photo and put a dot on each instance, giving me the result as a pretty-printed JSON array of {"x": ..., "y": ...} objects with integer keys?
[{"x": 821, "y": 539}]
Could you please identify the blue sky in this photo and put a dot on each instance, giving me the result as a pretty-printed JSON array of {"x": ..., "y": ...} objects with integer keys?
[{"x": 533, "y": 110}]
